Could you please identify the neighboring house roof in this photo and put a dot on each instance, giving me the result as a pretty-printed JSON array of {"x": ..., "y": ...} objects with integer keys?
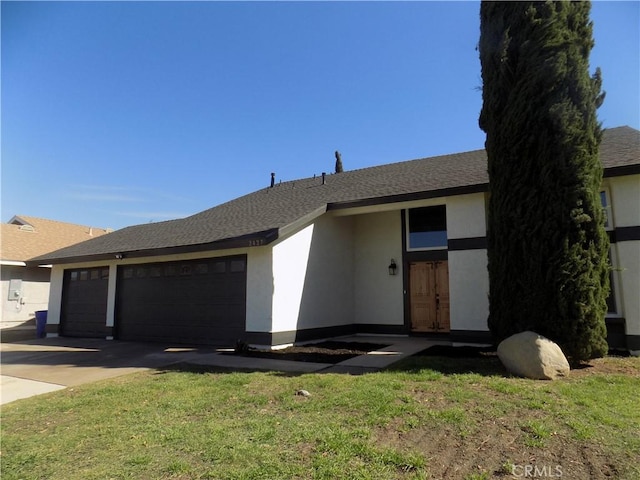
[
  {"x": 262, "y": 216},
  {"x": 25, "y": 237}
]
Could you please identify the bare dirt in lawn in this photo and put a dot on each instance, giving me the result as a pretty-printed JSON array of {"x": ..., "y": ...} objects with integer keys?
[{"x": 500, "y": 447}]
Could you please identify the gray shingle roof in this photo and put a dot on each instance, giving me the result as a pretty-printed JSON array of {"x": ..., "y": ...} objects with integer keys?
[{"x": 257, "y": 218}]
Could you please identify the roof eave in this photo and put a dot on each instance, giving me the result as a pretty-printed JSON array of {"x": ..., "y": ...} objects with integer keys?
[
  {"x": 302, "y": 221},
  {"x": 408, "y": 197},
  {"x": 244, "y": 241},
  {"x": 622, "y": 171}
]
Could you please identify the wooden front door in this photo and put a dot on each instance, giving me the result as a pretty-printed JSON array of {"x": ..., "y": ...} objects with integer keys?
[{"x": 429, "y": 296}]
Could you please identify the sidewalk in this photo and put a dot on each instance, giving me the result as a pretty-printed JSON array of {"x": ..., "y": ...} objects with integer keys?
[
  {"x": 41, "y": 366},
  {"x": 399, "y": 348}
]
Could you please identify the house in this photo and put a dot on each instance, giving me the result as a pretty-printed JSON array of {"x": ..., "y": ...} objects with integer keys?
[
  {"x": 391, "y": 249},
  {"x": 25, "y": 289}
]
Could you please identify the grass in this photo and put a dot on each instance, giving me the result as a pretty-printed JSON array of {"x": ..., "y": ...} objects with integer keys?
[{"x": 429, "y": 417}]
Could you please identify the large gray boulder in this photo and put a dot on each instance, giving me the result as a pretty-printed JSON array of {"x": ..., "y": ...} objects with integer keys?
[{"x": 530, "y": 355}]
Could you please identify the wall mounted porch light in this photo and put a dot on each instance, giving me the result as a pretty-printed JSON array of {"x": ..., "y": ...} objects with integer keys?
[
  {"x": 119, "y": 256},
  {"x": 393, "y": 268}
]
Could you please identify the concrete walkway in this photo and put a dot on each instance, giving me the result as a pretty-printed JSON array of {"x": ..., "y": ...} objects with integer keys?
[{"x": 40, "y": 366}]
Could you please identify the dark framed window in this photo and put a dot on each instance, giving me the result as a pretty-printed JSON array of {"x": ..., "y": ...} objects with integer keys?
[
  {"x": 219, "y": 267},
  {"x": 237, "y": 266},
  {"x": 427, "y": 227},
  {"x": 606, "y": 205},
  {"x": 202, "y": 269}
]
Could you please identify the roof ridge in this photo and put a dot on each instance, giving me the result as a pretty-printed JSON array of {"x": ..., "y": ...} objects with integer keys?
[{"x": 373, "y": 167}]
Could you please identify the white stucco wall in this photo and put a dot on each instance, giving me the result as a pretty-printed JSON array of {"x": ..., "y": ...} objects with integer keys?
[
  {"x": 34, "y": 294},
  {"x": 378, "y": 295},
  {"x": 624, "y": 193},
  {"x": 313, "y": 276},
  {"x": 468, "y": 290},
  {"x": 290, "y": 266},
  {"x": 466, "y": 216},
  {"x": 260, "y": 289},
  {"x": 468, "y": 275},
  {"x": 624, "y": 196}
]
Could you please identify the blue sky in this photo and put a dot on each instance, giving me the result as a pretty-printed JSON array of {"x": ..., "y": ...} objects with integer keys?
[{"x": 118, "y": 113}]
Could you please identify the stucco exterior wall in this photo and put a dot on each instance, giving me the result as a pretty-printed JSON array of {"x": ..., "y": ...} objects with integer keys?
[
  {"x": 260, "y": 289},
  {"x": 624, "y": 196},
  {"x": 290, "y": 266},
  {"x": 468, "y": 290},
  {"x": 378, "y": 296},
  {"x": 468, "y": 275},
  {"x": 466, "y": 216},
  {"x": 34, "y": 293},
  {"x": 313, "y": 276}
]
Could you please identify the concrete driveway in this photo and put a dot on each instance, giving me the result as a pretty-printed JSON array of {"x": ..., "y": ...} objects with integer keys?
[{"x": 33, "y": 367}]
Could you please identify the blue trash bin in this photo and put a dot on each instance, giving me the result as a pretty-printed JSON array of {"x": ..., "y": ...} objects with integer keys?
[{"x": 41, "y": 323}]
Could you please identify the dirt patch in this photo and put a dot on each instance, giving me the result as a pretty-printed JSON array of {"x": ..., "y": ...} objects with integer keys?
[
  {"x": 323, "y": 352},
  {"x": 499, "y": 451},
  {"x": 503, "y": 443}
]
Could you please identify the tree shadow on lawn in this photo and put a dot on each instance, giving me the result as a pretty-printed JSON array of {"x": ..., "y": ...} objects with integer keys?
[
  {"x": 451, "y": 360},
  {"x": 445, "y": 359}
]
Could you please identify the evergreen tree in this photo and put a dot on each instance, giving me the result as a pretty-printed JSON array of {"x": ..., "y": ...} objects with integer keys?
[
  {"x": 338, "y": 162},
  {"x": 547, "y": 247}
]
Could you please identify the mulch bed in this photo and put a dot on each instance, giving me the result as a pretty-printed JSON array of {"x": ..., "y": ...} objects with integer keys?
[{"x": 323, "y": 352}]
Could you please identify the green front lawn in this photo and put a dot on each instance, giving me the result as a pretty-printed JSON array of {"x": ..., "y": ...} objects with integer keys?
[{"x": 429, "y": 417}]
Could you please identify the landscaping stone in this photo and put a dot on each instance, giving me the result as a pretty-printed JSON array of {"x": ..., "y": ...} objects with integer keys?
[{"x": 530, "y": 355}]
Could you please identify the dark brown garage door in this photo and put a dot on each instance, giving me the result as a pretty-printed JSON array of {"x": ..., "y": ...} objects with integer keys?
[
  {"x": 196, "y": 301},
  {"x": 84, "y": 303}
]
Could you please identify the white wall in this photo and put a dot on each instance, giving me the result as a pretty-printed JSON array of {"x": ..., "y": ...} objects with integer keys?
[
  {"x": 468, "y": 275},
  {"x": 34, "y": 293},
  {"x": 624, "y": 195},
  {"x": 379, "y": 296},
  {"x": 466, "y": 216},
  {"x": 625, "y": 200},
  {"x": 468, "y": 290},
  {"x": 290, "y": 265},
  {"x": 260, "y": 289},
  {"x": 313, "y": 276}
]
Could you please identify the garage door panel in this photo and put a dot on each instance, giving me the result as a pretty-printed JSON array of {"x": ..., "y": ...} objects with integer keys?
[
  {"x": 199, "y": 301},
  {"x": 84, "y": 302}
]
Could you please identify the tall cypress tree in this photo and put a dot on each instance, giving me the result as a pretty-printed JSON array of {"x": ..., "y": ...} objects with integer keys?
[{"x": 547, "y": 247}]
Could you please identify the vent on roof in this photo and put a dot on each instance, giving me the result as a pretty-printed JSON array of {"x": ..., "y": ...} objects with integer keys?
[{"x": 27, "y": 228}]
